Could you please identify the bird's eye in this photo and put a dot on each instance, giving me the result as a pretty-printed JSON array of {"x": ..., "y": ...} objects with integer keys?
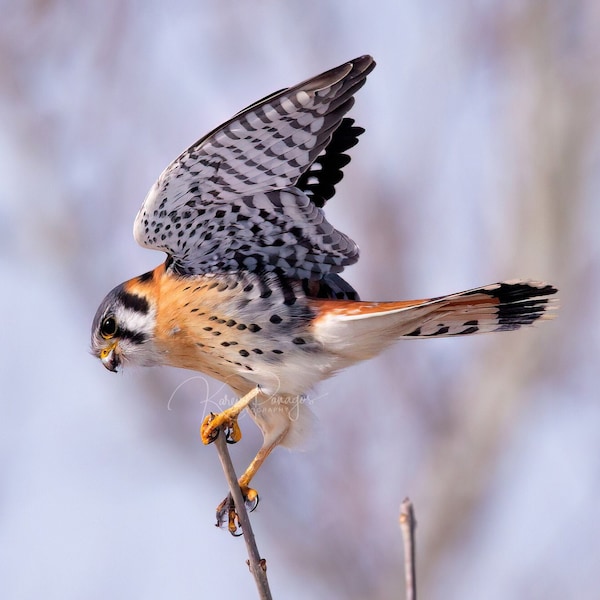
[{"x": 108, "y": 328}]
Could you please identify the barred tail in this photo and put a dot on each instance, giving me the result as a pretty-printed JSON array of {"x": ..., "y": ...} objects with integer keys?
[{"x": 359, "y": 330}]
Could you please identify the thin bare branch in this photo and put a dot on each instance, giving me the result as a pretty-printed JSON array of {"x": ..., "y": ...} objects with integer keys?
[
  {"x": 407, "y": 526},
  {"x": 258, "y": 565}
]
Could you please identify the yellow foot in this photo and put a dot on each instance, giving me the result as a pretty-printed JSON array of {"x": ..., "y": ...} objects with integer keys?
[
  {"x": 226, "y": 512},
  {"x": 213, "y": 423},
  {"x": 227, "y": 420}
]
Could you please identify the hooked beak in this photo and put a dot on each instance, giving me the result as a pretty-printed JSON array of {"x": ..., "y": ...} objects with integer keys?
[{"x": 109, "y": 357}]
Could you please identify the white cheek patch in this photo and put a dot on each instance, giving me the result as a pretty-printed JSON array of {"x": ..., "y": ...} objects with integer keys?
[
  {"x": 135, "y": 321},
  {"x": 140, "y": 352}
]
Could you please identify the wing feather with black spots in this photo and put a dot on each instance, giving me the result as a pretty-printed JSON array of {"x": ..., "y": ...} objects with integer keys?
[{"x": 236, "y": 199}]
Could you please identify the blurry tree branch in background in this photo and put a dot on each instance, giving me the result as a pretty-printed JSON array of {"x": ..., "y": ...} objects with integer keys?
[{"x": 546, "y": 115}]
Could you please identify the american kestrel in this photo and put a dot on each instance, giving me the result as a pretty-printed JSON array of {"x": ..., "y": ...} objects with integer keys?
[{"x": 250, "y": 292}]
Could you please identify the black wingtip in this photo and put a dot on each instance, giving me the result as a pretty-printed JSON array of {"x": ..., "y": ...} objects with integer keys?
[{"x": 319, "y": 181}]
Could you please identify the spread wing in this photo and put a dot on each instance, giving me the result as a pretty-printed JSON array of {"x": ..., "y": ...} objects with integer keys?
[{"x": 248, "y": 194}]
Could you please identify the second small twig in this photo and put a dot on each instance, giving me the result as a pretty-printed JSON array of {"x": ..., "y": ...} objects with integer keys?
[{"x": 407, "y": 526}]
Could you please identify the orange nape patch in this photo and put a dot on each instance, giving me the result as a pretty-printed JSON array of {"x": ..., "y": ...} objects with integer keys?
[{"x": 145, "y": 281}]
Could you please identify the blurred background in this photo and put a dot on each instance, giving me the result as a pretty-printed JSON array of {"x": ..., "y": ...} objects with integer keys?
[{"x": 481, "y": 162}]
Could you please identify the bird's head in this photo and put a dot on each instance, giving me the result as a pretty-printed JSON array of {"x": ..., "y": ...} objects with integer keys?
[{"x": 123, "y": 328}]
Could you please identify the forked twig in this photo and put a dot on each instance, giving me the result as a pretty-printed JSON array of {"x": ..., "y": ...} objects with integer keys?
[
  {"x": 407, "y": 526},
  {"x": 258, "y": 566}
]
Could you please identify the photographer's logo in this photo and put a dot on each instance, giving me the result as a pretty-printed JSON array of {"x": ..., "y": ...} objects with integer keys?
[{"x": 218, "y": 400}]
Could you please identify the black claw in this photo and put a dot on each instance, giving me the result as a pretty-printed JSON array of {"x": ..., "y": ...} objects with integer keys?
[
  {"x": 223, "y": 512},
  {"x": 227, "y": 515},
  {"x": 252, "y": 505},
  {"x": 228, "y": 434}
]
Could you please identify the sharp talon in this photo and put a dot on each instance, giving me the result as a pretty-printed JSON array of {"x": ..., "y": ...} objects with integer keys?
[
  {"x": 233, "y": 433},
  {"x": 227, "y": 515},
  {"x": 252, "y": 499},
  {"x": 233, "y": 522},
  {"x": 208, "y": 432}
]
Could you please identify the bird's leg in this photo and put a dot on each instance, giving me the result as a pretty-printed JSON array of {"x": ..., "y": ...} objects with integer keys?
[
  {"x": 226, "y": 510},
  {"x": 227, "y": 420}
]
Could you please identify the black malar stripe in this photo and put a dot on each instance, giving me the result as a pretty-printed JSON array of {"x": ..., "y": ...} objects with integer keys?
[{"x": 135, "y": 337}]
